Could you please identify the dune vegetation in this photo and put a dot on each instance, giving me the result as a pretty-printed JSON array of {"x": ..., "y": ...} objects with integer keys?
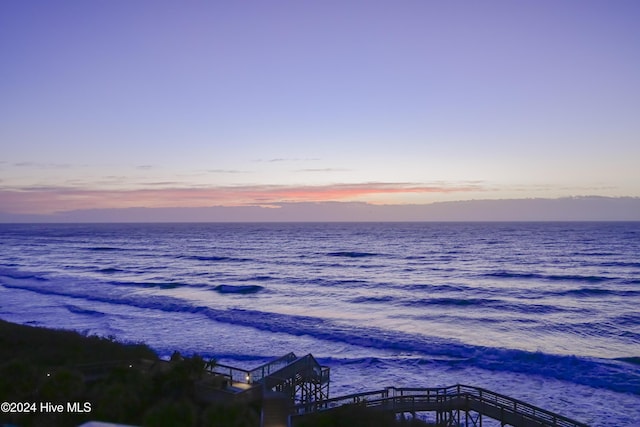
[
  {"x": 120, "y": 382},
  {"x": 127, "y": 383}
]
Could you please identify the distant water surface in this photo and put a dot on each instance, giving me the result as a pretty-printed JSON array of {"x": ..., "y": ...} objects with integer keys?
[{"x": 533, "y": 310}]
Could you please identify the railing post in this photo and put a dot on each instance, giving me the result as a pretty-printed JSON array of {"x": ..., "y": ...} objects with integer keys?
[{"x": 502, "y": 408}]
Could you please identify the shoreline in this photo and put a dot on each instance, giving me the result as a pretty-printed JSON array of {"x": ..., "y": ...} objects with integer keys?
[{"x": 52, "y": 368}]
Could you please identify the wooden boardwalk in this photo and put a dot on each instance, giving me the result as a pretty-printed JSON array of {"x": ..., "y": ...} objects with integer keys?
[
  {"x": 301, "y": 379},
  {"x": 304, "y": 383},
  {"x": 458, "y": 405}
]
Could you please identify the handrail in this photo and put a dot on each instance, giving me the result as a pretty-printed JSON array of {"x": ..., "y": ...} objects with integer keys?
[
  {"x": 460, "y": 396},
  {"x": 235, "y": 374},
  {"x": 517, "y": 406},
  {"x": 307, "y": 366},
  {"x": 275, "y": 372},
  {"x": 257, "y": 374}
]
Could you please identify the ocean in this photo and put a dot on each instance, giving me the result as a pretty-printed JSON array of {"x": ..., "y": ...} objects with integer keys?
[{"x": 548, "y": 313}]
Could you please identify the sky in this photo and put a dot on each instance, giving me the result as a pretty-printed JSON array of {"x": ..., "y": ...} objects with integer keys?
[{"x": 122, "y": 104}]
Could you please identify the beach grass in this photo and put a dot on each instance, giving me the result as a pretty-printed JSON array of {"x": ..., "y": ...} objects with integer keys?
[
  {"x": 40, "y": 366},
  {"x": 133, "y": 386}
]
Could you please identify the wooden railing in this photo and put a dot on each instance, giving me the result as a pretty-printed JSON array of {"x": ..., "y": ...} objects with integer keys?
[
  {"x": 255, "y": 375},
  {"x": 458, "y": 397},
  {"x": 234, "y": 374},
  {"x": 269, "y": 368}
]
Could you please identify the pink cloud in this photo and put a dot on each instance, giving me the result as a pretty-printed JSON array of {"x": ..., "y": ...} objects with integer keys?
[{"x": 45, "y": 200}]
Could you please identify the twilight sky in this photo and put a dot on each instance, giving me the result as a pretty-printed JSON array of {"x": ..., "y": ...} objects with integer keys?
[{"x": 109, "y": 104}]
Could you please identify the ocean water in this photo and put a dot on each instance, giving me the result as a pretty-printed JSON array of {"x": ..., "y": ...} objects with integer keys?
[{"x": 545, "y": 312}]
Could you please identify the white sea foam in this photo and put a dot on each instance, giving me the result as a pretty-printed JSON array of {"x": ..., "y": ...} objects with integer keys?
[{"x": 535, "y": 311}]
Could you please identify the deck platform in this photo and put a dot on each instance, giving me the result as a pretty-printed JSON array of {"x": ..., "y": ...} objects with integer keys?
[
  {"x": 454, "y": 406},
  {"x": 301, "y": 384}
]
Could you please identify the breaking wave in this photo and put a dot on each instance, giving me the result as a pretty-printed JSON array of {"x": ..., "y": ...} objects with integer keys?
[{"x": 586, "y": 371}]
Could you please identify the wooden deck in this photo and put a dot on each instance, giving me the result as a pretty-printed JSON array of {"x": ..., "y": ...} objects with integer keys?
[
  {"x": 305, "y": 384},
  {"x": 458, "y": 405}
]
